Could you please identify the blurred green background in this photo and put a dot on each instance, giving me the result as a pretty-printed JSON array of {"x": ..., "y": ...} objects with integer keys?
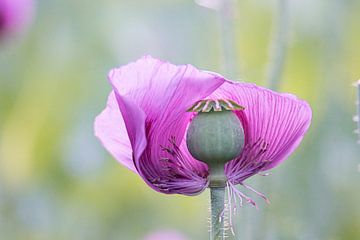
[{"x": 57, "y": 182}]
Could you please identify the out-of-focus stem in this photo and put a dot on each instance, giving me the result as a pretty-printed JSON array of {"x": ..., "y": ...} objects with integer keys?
[
  {"x": 357, "y": 118},
  {"x": 279, "y": 45},
  {"x": 217, "y": 197},
  {"x": 228, "y": 37}
]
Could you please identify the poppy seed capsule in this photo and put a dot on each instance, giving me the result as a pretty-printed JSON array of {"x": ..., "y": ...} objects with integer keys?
[{"x": 215, "y": 138}]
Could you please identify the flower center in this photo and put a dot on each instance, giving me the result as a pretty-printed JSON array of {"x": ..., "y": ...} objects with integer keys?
[
  {"x": 215, "y": 136},
  {"x": 215, "y": 105}
]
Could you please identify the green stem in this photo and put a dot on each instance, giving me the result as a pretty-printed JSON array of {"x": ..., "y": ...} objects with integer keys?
[
  {"x": 358, "y": 109},
  {"x": 217, "y": 196}
]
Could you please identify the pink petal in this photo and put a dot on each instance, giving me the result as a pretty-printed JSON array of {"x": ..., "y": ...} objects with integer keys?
[
  {"x": 212, "y": 4},
  {"x": 163, "y": 92},
  {"x": 15, "y": 15},
  {"x": 110, "y": 129},
  {"x": 275, "y": 123},
  {"x": 165, "y": 235}
]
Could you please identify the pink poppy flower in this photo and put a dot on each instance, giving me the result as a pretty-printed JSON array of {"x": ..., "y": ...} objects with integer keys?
[
  {"x": 212, "y": 4},
  {"x": 145, "y": 122},
  {"x": 14, "y": 15},
  {"x": 165, "y": 235}
]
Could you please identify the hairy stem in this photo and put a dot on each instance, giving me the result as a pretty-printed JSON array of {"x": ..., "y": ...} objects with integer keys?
[
  {"x": 217, "y": 197},
  {"x": 279, "y": 46},
  {"x": 357, "y": 117}
]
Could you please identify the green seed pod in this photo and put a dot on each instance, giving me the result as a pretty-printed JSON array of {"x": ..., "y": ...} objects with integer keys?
[{"x": 215, "y": 138}]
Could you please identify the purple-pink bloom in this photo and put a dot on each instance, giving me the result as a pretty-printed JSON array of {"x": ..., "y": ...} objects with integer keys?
[
  {"x": 212, "y": 4},
  {"x": 14, "y": 16},
  {"x": 145, "y": 121},
  {"x": 165, "y": 235}
]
